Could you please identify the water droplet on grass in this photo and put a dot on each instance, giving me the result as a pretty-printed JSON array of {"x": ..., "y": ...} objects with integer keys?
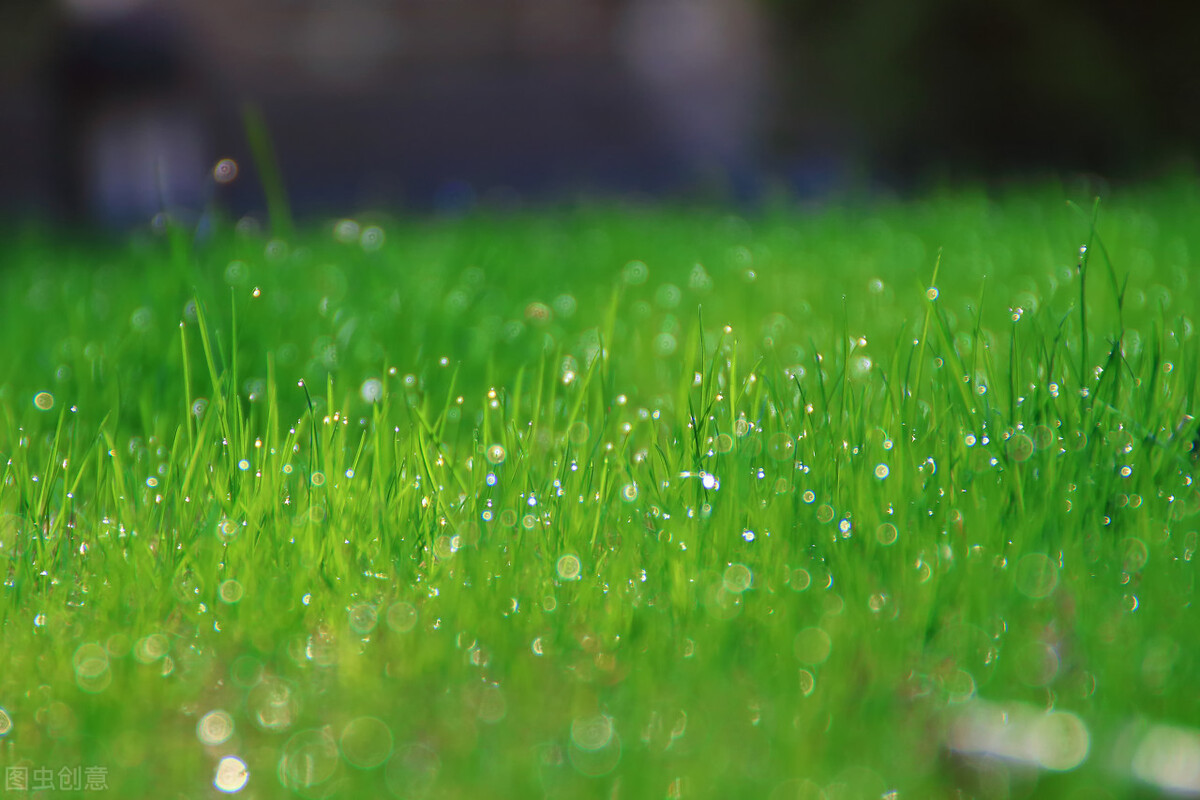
[
  {"x": 569, "y": 567},
  {"x": 371, "y": 390},
  {"x": 565, "y": 305},
  {"x": 592, "y": 733},
  {"x": 236, "y": 273},
  {"x": 1061, "y": 740},
  {"x": 1037, "y": 575},
  {"x": 366, "y": 742},
  {"x": 799, "y": 579},
  {"x": 141, "y": 319},
  {"x": 225, "y": 171},
  {"x": 227, "y": 529},
  {"x": 699, "y": 279},
  {"x": 412, "y": 772},
  {"x": 309, "y": 759},
  {"x": 808, "y": 684},
  {"x": 664, "y": 345},
  {"x": 1020, "y": 447},
  {"x": 1134, "y": 553},
  {"x": 1036, "y": 664},
  {"x": 668, "y": 296},
  {"x": 538, "y": 314},
  {"x": 402, "y": 617},
  {"x": 737, "y": 578},
  {"x": 232, "y": 775},
  {"x": 363, "y": 618},
  {"x": 812, "y": 646},
  {"x": 877, "y": 602},
  {"x": 151, "y": 648},
  {"x": 371, "y": 239},
  {"x": 579, "y": 432},
  {"x": 346, "y": 231},
  {"x": 959, "y": 686},
  {"x": 90, "y": 664},
  {"x": 781, "y": 446},
  {"x": 635, "y": 273},
  {"x": 214, "y": 728},
  {"x": 230, "y": 592}
]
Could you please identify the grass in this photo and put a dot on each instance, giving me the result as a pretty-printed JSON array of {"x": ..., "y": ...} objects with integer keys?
[{"x": 889, "y": 500}]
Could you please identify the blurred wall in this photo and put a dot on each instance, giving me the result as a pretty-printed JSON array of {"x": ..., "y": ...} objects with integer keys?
[
  {"x": 111, "y": 109},
  {"x": 429, "y": 102},
  {"x": 991, "y": 88}
]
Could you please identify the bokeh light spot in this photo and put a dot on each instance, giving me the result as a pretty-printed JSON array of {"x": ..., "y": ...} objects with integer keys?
[
  {"x": 366, "y": 742},
  {"x": 232, "y": 775}
]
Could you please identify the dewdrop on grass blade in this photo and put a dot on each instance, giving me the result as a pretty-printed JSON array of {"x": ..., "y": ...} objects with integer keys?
[
  {"x": 232, "y": 775},
  {"x": 225, "y": 171},
  {"x": 371, "y": 390},
  {"x": 569, "y": 567},
  {"x": 214, "y": 728},
  {"x": 371, "y": 239},
  {"x": 635, "y": 273}
]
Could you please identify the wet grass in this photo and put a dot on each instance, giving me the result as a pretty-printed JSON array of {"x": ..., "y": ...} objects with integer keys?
[{"x": 609, "y": 503}]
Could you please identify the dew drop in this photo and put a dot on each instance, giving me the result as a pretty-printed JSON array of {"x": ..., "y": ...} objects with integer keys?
[
  {"x": 569, "y": 567},
  {"x": 232, "y": 775},
  {"x": 215, "y": 728},
  {"x": 225, "y": 171},
  {"x": 371, "y": 390}
]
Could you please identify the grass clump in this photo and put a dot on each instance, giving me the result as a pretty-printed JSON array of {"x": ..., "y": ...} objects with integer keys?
[{"x": 610, "y": 503}]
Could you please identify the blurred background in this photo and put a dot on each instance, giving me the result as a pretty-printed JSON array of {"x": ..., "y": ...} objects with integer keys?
[{"x": 111, "y": 109}]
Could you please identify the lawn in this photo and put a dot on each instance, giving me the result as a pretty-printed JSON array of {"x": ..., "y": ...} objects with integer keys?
[{"x": 883, "y": 499}]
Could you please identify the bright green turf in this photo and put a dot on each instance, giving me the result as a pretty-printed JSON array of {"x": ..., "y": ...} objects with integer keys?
[{"x": 599, "y": 623}]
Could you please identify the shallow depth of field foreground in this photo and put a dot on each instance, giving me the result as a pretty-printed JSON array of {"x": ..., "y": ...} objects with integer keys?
[{"x": 890, "y": 502}]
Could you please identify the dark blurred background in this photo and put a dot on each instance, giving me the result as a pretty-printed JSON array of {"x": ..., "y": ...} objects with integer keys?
[{"x": 110, "y": 109}]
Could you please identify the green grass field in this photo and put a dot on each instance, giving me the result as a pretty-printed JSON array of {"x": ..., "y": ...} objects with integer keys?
[{"x": 894, "y": 501}]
